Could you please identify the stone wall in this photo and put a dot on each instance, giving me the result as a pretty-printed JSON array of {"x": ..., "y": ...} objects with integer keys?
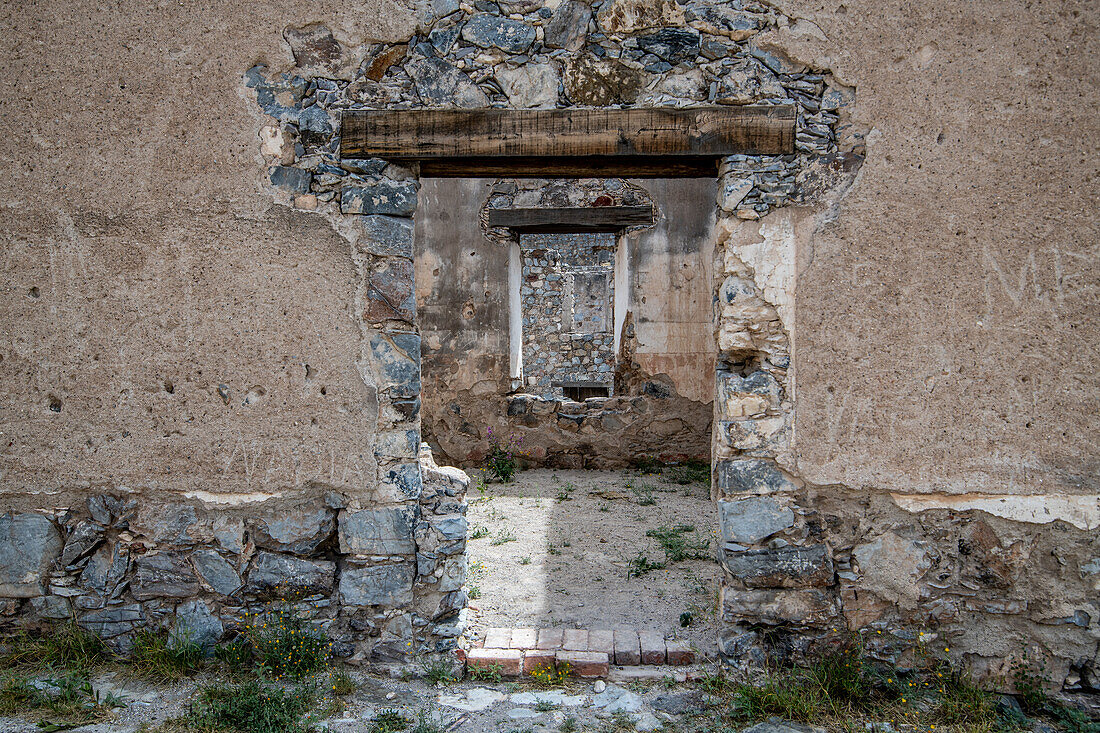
[
  {"x": 664, "y": 367},
  {"x": 205, "y": 306},
  {"x": 566, "y": 295},
  {"x": 382, "y": 577}
]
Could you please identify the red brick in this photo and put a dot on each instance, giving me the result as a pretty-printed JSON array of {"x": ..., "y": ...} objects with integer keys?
[
  {"x": 627, "y": 649},
  {"x": 524, "y": 638},
  {"x": 585, "y": 664},
  {"x": 653, "y": 647},
  {"x": 498, "y": 638},
  {"x": 510, "y": 660},
  {"x": 575, "y": 640},
  {"x": 601, "y": 640},
  {"x": 536, "y": 658},
  {"x": 680, "y": 654},
  {"x": 550, "y": 638}
]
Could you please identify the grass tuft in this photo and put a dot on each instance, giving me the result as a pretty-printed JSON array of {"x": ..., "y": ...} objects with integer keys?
[
  {"x": 252, "y": 707},
  {"x": 157, "y": 657}
]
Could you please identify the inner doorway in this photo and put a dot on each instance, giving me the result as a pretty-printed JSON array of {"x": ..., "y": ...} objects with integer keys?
[{"x": 591, "y": 355}]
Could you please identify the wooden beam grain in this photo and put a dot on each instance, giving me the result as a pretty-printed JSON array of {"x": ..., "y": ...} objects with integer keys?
[
  {"x": 571, "y": 219},
  {"x": 594, "y": 166},
  {"x": 640, "y": 135}
]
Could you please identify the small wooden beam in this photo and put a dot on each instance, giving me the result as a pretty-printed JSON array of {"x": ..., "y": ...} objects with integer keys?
[
  {"x": 596, "y": 166},
  {"x": 571, "y": 219},
  {"x": 556, "y": 142}
]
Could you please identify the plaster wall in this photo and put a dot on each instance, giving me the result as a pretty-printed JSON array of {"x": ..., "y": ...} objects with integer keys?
[
  {"x": 159, "y": 303},
  {"x": 463, "y": 302}
]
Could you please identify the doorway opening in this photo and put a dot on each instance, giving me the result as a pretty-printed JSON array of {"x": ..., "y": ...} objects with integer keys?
[{"x": 569, "y": 322}]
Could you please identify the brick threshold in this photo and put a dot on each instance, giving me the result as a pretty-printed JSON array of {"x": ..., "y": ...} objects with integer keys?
[{"x": 590, "y": 653}]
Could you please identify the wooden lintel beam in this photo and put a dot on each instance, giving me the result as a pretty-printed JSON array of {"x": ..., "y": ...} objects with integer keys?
[
  {"x": 601, "y": 166},
  {"x": 572, "y": 219},
  {"x": 444, "y": 137}
]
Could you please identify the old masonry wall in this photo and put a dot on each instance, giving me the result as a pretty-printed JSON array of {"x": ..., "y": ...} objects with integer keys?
[
  {"x": 661, "y": 374},
  {"x": 210, "y": 371}
]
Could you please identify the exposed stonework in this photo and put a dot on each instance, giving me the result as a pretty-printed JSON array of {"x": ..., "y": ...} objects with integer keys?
[
  {"x": 174, "y": 350},
  {"x": 382, "y": 582}
]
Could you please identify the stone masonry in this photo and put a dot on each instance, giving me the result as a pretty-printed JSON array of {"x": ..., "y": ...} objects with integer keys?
[
  {"x": 566, "y": 295},
  {"x": 986, "y": 555}
]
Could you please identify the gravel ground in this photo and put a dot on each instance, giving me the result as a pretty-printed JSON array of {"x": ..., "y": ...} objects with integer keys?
[{"x": 559, "y": 545}]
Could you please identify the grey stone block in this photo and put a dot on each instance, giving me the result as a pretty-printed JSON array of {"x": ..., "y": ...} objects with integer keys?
[
  {"x": 295, "y": 180},
  {"x": 786, "y": 567},
  {"x": 106, "y": 568},
  {"x": 387, "y": 236},
  {"x": 379, "y": 585},
  {"x": 195, "y": 624},
  {"x": 115, "y": 621},
  {"x": 84, "y": 538},
  {"x": 396, "y": 359},
  {"x": 29, "y": 546},
  {"x": 752, "y": 519},
  {"x": 298, "y": 530},
  {"x": 750, "y": 474},
  {"x": 378, "y": 531},
  {"x": 384, "y": 197},
  {"x": 286, "y": 574},
  {"x": 439, "y": 83},
  {"x": 163, "y": 575},
  {"x": 216, "y": 572},
  {"x": 492, "y": 31}
]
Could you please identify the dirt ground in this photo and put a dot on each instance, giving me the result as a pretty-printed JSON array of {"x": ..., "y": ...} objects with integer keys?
[{"x": 563, "y": 548}]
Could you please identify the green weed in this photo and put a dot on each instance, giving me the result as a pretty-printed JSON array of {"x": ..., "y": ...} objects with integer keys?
[
  {"x": 505, "y": 535},
  {"x": 389, "y": 720},
  {"x": 161, "y": 658},
  {"x": 62, "y": 646},
  {"x": 639, "y": 565},
  {"x": 492, "y": 673},
  {"x": 678, "y": 546},
  {"x": 286, "y": 645},
  {"x": 479, "y": 532},
  {"x": 688, "y": 472},
  {"x": 643, "y": 495},
  {"x": 440, "y": 671},
  {"x": 252, "y": 707}
]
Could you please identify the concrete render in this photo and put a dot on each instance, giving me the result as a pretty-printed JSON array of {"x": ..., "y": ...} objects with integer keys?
[{"x": 171, "y": 332}]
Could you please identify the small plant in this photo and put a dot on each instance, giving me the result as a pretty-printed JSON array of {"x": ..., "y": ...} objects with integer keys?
[
  {"x": 286, "y": 645},
  {"x": 545, "y": 706},
  {"x": 565, "y": 493},
  {"x": 253, "y": 707},
  {"x": 643, "y": 495},
  {"x": 679, "y": 547},
  {"x": 647, "y": 464},
  {"x": 479, "y": 532},
  {"x": 425, "y": 724},
  {"x": 492, "y": 673},
  {"x": 440, "y": 671},
  {"x": 554, "y": 674},
  {"x": 619, "y": 722},
  {"x": 389, "y": 720},
  {"x": 502, "y": 457},
  {"x": 504, "y": 535},
  {"x": 63, "y": 646},
  {"x": 639, "y": 565},
  {"x": 341, "y": 682},
  {"x": 689, "y": 472},
  {"x": 525, "y": 560},
  {"x": 569, "y": 725},
  {"x": 164, "y": 658},
  {"x": 473, "y": 592},
  {"x": 68, "y": 696},
  {"x": 552, "y": 549},
  {"x": 603, "y": 506}
]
